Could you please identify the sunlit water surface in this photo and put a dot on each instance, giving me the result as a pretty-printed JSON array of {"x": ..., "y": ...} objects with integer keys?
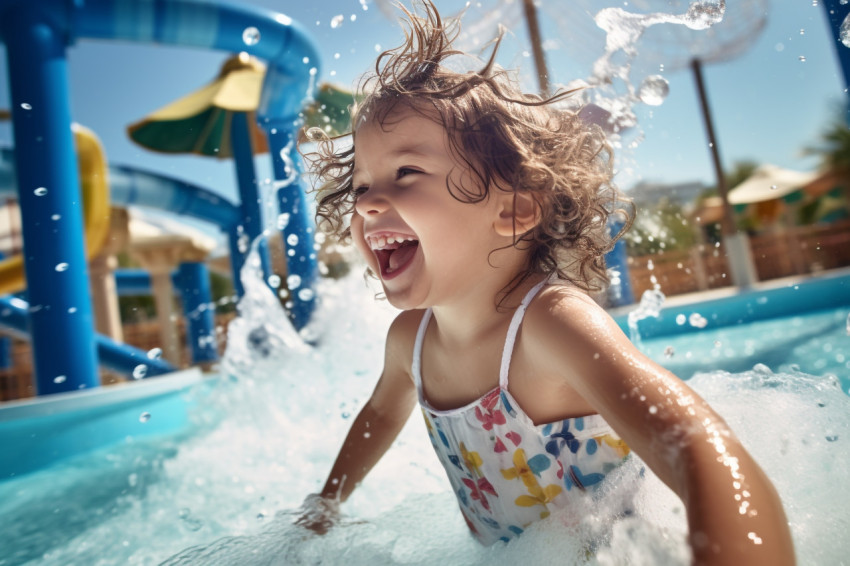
[{"x": 269, "y": 428}]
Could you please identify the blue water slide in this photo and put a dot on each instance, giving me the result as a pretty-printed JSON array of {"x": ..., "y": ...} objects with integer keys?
[
  {"x": 134, "y": 186},
  {"x": 14, "y": 319},
  {"x": 291, "y": 76},
  {"x": 36, "y": 34},
  {"x": 131, "y": 186}
]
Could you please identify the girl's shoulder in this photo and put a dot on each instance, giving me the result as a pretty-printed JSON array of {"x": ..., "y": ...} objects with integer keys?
[
  {"x": 563, "y": 310},
  {"x": 401, "y": 336}
]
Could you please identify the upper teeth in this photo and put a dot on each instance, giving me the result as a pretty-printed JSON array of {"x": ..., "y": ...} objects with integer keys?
[{"x": 378, "y": 242}]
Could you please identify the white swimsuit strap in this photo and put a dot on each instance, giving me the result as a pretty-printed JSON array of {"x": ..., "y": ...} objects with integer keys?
[
  {"x": 417, "y": 352},
  {"x": 510, "y": 339}
]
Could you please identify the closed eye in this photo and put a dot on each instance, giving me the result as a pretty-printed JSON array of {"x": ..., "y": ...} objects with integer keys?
[
  {"x": 405, "y": 171},
  {"x": 357, "y": 191}
]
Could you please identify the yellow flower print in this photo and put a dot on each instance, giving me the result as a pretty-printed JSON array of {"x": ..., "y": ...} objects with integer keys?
[
  {"x": 525, "y": 470},
  {"x": 618, "y": 444},
  {"x": 472, "y": 460}
]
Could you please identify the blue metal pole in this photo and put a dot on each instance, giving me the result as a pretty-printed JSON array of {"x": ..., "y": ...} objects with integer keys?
[
  {"x": 6, "y": 359},
  {"x": 194, "y": 285},
  {"x": 836, "y": 12},
  {"x": 298, "y": 232},
  {"x": 620, "y": 292},
  {"x": 61, "y": 319},
  {"x": 249, "y": 194}
]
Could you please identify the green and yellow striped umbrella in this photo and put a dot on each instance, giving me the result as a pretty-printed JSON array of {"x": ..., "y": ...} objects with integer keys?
[{"x": 200, "y": 122}]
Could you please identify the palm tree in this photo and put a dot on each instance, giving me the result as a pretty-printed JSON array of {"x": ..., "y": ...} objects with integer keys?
[{"x": 834, "y": 143}]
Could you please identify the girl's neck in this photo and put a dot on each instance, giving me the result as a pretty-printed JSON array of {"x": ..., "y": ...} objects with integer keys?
[{"x": 482, "y": 310}]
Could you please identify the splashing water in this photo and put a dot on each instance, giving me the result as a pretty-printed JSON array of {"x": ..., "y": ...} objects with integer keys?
[
  {"x": 268, "y": 430},
  {"x": 653, "y": 90},
  {"x": 844, "y": 31},
  {"x": 251, "y": 36},
  {"x": 623, "y": 31},
  {"x": 650, "y": 306}
]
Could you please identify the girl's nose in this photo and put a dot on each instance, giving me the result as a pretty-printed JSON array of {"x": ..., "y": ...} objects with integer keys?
[{"x": 371, "y": 202}]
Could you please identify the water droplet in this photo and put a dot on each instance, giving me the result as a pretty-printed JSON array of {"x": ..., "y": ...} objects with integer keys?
[
  {"x": 154, "y": 353},
  {"x": 802, "y": 58},
  {"x": 377, "y": 48},
  {"x": 140, "y": 371},
  {"x": 61, "y": 266},
  {"x": 292, "y": 239},
  {"x": 697, "y": 320},
  {"x": 681, "y": 319},
  {"x": 653, "y": 409},
  {"x": 773, "y": 187},
  {"x": 345, "y": 414},
  {"x": 274, "y": 281},
  {"x": 133, "y": 479},
  {"x": 55, "y": 217},
  {"x": 669, "y": 352},
  {"x": 40, "y": 192},
  {"x": 832, "y": 438},
  {"x": 337, "y": 20},
  {"x": 306, "y": 294},
  {"x": 242, "y": 243},
  {"x": 26, "y": 106},
  {"x": 802, "y": 31},
  {"x": 848, "y": 325},
  {"x": 251, "y": 36},
  {"x": 844, "y": 31},
  {"x": 305, "y": 60},
  {"x": 703, "y": 14},
  {"x": 60, "y": 379},
  {"x": 144, "y": 417},
  {"x": 653, "y": 90},
  {"x": 293, "y": 281}
]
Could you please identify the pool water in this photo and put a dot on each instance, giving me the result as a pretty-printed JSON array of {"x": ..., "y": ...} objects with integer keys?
[
  {"x": 816, "y": 343},
  {"x": 268, "y": 428}
]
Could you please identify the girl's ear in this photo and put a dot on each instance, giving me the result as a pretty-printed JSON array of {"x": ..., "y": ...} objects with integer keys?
[{"x": 518, "y": 213}]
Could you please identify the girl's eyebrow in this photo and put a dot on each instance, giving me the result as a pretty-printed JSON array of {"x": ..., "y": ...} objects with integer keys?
[{"x": 420, "y": 149}]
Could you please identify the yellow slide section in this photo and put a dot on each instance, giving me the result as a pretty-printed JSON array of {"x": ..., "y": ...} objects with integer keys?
[{"x": 94, "y": 187}]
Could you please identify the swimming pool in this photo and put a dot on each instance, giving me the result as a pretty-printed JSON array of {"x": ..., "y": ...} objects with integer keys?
[{"x": 270, "y": 425}]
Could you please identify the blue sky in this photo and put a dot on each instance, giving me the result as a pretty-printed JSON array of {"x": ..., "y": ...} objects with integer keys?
[{"x": 767, "y": 103}]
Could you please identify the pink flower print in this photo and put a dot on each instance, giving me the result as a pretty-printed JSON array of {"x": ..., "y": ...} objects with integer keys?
[
  {"x": 499, "y": 446},
  {"x": 477, "y": 490},
  {"x": 514, "y": 437},
  {"x": 489, "y": 416}
]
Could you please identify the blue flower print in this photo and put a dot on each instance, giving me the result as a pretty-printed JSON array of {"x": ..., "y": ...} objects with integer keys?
[
  {"x": 561, "y": 439},
  {"x": 574, "y": 477}
]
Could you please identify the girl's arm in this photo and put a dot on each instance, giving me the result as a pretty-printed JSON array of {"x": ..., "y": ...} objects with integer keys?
[
  {"x": 734, "y": 513},
  {"x": 373, "y": 431}
]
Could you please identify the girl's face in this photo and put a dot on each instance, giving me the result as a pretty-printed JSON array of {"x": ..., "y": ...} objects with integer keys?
[{"x": 427, "y": 247}]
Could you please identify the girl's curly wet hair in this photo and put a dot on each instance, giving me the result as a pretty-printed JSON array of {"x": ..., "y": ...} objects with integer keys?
[{"x": 508, "y": 140}]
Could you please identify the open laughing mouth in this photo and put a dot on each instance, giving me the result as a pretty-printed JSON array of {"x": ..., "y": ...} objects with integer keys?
[{"x": 394, "y": 252}]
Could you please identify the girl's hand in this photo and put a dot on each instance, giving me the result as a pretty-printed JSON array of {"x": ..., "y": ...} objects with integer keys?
[{"x": 318, "y": 513}]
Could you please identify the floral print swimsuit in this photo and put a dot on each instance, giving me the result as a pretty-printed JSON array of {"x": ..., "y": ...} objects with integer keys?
[{"x": 506, "y": 471}]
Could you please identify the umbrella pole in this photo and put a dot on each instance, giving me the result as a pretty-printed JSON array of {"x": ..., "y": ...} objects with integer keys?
[
  {"x": 737, "y": 244},
  {"x": 249, "y": 196}
]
